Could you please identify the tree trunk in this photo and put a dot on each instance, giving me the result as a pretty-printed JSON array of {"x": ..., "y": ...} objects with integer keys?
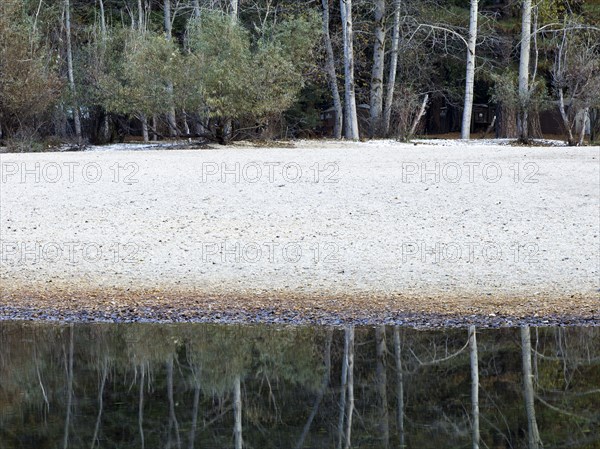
[
  {"x": 350, "y": 403},
  {"x": 565, "y": 117},
  {"x": 391, "y": 84},
  {"x": 584, "y": 121},
  {"x": 533, "y": 435},
  {"x": 331, "y": 74},
  {"x": 470, "y": 82},
  {"x": 237, "y": 413},
  {"x": 351, "y": 116},
  {"x": 399, "y": 385},
  {"x": 378, "y": 70},
  {"x": 234, "y": 9},
  {"x": 523, "y": 115},
  {"x": 70, "y": 72},
  {"x": 474, "y": 386},
  {"x": 419, "y": 116},
  {"x": 144, "y": 121}
]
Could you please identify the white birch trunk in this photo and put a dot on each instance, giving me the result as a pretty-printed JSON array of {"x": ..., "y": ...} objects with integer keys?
[
  {"x": 474, "y": 386},
  {"x": 376, "y": 110},
  {"x": 470, "y": 82},
  {"x": 144, "y": 121},
  {"x": 237, "y": 413},
  {"x": 391, "y": 83},
  {"x": 533, "y": 434},
  {"x": 234, "y": 9},
  {"x": 351, "y": 116},
  {"x": 331, "y": 74},
  {"x": 585, "y": 115},
  {"x": 523, "y": 117},
  {"x": 70, "y": 71}
]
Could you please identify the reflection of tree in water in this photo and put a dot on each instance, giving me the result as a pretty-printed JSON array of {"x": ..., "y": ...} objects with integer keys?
[{"x": 187, "y": 386}]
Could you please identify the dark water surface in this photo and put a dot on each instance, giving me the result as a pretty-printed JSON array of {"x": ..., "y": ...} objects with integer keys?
[{"x": 215, "y": 386}]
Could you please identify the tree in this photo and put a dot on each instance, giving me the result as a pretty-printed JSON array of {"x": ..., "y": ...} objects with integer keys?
[
  {"x": 350, "y": 114},
  {"x": 470, "y": 81}
]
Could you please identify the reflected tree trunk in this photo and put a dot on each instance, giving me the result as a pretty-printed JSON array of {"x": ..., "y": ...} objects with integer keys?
[
  {"x": 349, "y": 338},
  {"x": 237, "y": 413},
  {"x": 194, "y": 416},
  {"x": 141, "y": 406},
  {"x": 172, "y": 417},
  {"x": 533, "y": 434},
  {"x": 324, "y": 385},
  {"x": 69, "y": 369},
  {"x": 399, "y": 385},
  {"x": 474, "y": 385},
  {"x": 381, "y": 350},
  {"x": 343, "y": 389},
  {"x": 100, "y": 403}
]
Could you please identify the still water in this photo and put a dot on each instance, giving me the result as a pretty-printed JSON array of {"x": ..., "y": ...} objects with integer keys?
[{"x": 213, "y": 386}]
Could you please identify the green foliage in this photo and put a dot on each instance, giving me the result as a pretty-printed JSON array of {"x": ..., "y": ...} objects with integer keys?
[
  {"x": 140, "y": 83},
  {"x": 242, "y": 80}
]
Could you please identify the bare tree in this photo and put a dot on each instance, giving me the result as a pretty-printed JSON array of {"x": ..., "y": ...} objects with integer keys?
[
  {"x": 350, "y": 113},
  {"x": 393, "y": 69},
  {"x": 378, "y": 69},
  {"x": 470, "y": 81},
  {"x": 331, "y": 74},
  {"x": 524, "y": 91}
]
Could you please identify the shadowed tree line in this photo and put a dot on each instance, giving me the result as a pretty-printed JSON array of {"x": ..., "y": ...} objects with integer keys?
[{"x": 217, "y": 70}]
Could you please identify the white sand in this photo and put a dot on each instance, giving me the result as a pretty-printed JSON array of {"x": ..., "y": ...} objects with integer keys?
[{"x": 165, "y": 229}]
